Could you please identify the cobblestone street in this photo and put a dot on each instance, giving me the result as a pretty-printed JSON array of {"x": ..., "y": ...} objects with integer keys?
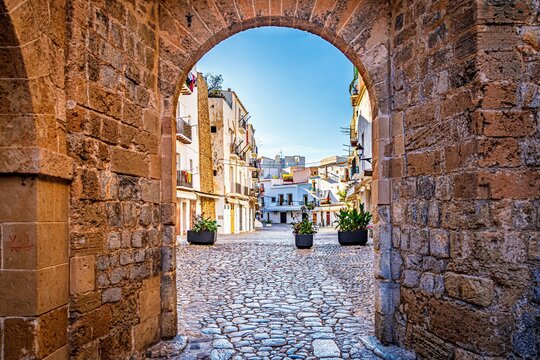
[{"x": 257, "y": 296}]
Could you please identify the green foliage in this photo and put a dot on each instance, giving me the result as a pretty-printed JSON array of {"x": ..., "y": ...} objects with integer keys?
[
  {"x": 304, "y": 227},
  {"x": 204, "y": 224},
  {"x": 351, "y": 219},
  {"x": 342, "y": 195}
]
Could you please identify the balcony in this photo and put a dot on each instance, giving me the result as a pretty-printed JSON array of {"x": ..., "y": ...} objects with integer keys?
[
  {"x": 183, "y": 131},
  {"x": 254, "y": 163},
  {"x": 184, "y": 179},
  {"x": 242, "y": 124},
  {"x": 354, "y": 137}
]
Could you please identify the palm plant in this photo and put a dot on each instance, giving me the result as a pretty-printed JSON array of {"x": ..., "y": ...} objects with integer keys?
[
  {"x": 204, "y": 224},
  {"x": 304, "y": 227},
  {"x": 352, "y": 219}
]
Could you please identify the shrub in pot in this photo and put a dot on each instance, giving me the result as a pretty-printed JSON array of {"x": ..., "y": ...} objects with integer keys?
[
  {"x": 303, "y": 233},
  {"x": 203, "y": 232},
  {"x": 352, "y": 225}
]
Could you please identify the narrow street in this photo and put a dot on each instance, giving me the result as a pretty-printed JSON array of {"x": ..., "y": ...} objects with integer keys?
[{"x": 256, "y": 296}]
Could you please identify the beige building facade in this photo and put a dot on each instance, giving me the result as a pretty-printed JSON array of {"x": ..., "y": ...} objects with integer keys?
[
  {"x": 234, "y": 154},
  {"x": 360, "y": 161}
]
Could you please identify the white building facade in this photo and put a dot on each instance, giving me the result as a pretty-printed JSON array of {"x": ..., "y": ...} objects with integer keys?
[
  {"x": 235, "y": 159},
  {"x": 360, "y": 160},
  {"x": 282, "y": 202},
  {"x": 187, "y": 154}
]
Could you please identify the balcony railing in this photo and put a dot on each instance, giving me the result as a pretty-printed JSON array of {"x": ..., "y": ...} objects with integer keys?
[
  {"x": 184, "y": 178},
  {"x": 353, "y": 137},
  {"x": 183, "y": 131},
  {"x": 242, "y": 124}
]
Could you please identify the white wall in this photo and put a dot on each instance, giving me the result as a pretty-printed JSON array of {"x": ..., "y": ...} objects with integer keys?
[{"x": 187, "y": 109}]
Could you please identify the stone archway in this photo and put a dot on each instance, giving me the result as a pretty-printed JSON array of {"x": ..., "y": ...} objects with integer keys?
[
  {"x": 456, "y": 165},
  {"x": 353, "y": 27}
]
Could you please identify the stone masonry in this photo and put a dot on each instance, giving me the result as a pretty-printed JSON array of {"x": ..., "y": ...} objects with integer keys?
[
  {"x": 206, "y": 170},
  {"x": 87, "y": 192}
]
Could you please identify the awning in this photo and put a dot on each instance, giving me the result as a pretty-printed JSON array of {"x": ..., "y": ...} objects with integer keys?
[
  {"x": 207, "y": 195},
  {"x": 329, "y": 207},
  {"x": 283, "y": 208},
  {"x": 189, "y": 195}
]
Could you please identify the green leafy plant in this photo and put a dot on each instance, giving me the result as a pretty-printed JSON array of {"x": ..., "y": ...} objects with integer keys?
[
  {"x": 352, "y": 219},
  {"x": 342, "y": 195},
  {"x": 304, "y": 227},
  {"x": 204, "y": 224}
]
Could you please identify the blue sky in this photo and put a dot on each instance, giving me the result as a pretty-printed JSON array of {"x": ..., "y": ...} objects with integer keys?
[{"x": 295, "y": 86}]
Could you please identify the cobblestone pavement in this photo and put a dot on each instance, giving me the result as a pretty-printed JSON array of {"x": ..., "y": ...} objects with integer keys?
[{"x": 255, "y": 296}]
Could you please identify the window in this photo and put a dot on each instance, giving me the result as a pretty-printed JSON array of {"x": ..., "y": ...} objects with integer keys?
[
  {"x": 178, "y": 162},
  {"x": 215, "y": 172},
  {"x": 213, "y": 129},
  {"x": 191, "y": 165},
  {"x": 273, "y": 199},
  {"x": 305, "y": 200},
  {"x": 280, "y": 199},
  {"x": 289, "y": 199}
]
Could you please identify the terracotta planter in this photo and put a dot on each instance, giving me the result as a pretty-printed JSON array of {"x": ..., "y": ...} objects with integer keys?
[
  {"x": 358, "y": 237},
  {"x": 303, "y": 241},
  {"x": 202, "y": 237}
]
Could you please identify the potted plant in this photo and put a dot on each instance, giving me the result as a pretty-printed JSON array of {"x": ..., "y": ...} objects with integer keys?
[
  {"x": 352, "y": 225},
  {"x": 303, "y": 233},
  {"x": 204, "y": 231},
  {"x": 268, "y": 223}
]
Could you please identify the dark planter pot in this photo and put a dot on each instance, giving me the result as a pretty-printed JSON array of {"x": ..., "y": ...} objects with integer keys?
[
  {"x": 303, "y": 241},
  {"x": 202, "y": 237},
  {"x": 359, "y": 237}
]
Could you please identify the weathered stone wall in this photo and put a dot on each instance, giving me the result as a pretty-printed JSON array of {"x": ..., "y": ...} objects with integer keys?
[
  {"x": 34, "y": 175},
  {"x": 206, "y": 171},
  {"x": 465, "y": 180},
  {"x": 116, "y": 217},
  {"x": 455, "y": 156}
]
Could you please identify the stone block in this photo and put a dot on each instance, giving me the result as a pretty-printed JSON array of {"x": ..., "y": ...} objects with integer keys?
[
  {"x": 60, "y": 354},
  {"x": 149, "y": 298},
  {"x": 472, "y": 289},
  {"x": 511, "y": 184},
  {"x": 52, "y": 332},
  {"x": 19, "y": 338},
  {"x": 150, "y": 190},
  {"x": 146, "y": 333},
  {"x": 439, "y": 243},
  {"x": 431, "y": 283},
  {"x": 18, "y": 198},
  {"x": 387, "y": 298},
  {"x": 111, "y": 295},
  {"x": 168, "y": 213},
  {"x": 491, "y": 332},
  {"x": 129, "y": 162},
  {"x": 380, "y": 190},
  {"x": 425, "y": 163},
  {"x": 83, "y": 274},
  {"x": 411, "y": 278},
  {"x": 34, "y": 245},
  {"x": 31, "y": 292},
  {"x": 509, "y": 123}
]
